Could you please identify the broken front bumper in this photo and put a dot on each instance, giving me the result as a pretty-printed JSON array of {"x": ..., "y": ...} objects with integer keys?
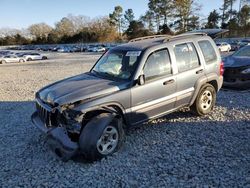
[{"x": 58, "y": 139}]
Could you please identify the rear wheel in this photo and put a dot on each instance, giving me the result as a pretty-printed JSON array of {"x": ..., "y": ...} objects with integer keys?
[
  {"x": 44, "y": 57},
  {"x": 3, "y": 62},
  {"x": 101, "y": 137},
  {"x": 21, "y": 61},
  {"x": 205, "y": 100},
  {"x": 29, "y": 59}
]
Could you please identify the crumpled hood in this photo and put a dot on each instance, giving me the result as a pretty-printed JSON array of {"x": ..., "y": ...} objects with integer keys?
[
  {"x": 77, "y": 88},
  {"x": 236, "y": 61}
]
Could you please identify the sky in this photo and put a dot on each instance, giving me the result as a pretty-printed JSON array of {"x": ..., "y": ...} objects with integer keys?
[{"x": 20, "y": 14}]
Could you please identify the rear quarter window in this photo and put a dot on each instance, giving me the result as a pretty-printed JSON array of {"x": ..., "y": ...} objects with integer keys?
[{"x": 207, "y": 51}]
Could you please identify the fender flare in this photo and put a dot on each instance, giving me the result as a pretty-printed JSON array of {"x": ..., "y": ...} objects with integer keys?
[{"x": 203, "y": 80}]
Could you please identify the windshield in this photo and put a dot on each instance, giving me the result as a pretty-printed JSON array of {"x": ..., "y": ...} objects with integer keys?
[
  {"x": 243, "y": 52},
  {"x": 117, "y": 64}
]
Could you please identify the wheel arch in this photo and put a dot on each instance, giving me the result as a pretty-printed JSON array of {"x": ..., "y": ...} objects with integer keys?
[
  {"x": 112, "y": 108},
  {"x": 212, "y": 79}
]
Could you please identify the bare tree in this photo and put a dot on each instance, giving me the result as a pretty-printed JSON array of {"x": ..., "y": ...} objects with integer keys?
[
  {"x": 65, "y": 27},
  {"x": 79, "y": 22},
  {"x": 40, "y": 30}
]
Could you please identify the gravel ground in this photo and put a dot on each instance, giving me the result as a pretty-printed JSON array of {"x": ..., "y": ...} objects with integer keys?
[{"x": 178, "y": 150}]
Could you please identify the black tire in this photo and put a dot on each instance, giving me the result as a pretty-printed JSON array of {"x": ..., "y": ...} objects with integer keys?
[
  {"x": 29, "y": 59},
  {"x": 205, "y": 100},
  {"x": 94, "y": 131},
  {"x": 44, "y": 57},
  {"x": 3, "y": 62}
]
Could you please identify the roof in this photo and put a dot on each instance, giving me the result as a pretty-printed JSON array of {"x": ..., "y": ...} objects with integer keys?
[{"x": 140, "y": 44}]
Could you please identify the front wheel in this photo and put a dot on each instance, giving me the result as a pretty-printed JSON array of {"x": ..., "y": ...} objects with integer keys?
[
  {"x": 102, "y": 136},
  {"x": 205, "y": 100},
  {"x": 21, "y": 61}
]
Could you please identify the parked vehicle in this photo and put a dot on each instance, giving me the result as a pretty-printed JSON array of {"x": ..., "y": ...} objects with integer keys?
[
  {"x": 11, "y": 59},
  {"x": 128, "y": 85},
  {"x": 34, "y": 56},
  {"x": 235, "y": 46},
  {"x": 223, "y": 46},
  {"x": 237, "y": 69},
  {"x": 63, "y": 49}
]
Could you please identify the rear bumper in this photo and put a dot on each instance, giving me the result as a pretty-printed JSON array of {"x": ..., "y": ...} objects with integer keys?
[{"x": 58, "y": 139}]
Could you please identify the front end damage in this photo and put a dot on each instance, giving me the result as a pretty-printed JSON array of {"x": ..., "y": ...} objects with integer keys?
[
  {"x": 62, "y": 126},
  {"x": 49, "y": 121}
]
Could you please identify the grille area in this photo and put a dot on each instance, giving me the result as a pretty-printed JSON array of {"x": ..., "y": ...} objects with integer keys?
[{"x": 44, "y": 113}]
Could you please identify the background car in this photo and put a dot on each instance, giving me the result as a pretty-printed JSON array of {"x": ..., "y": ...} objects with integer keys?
[
  {"x": 237, "y": 69},
  {"x": 34, "y": 56},
  {"x": 11, "y": 59},
  {"x": 223, "y": 46},
  {"x": 235, "y": 45}
]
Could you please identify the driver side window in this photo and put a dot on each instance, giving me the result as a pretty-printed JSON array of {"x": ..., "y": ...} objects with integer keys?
[{"x": 157, "y": 65}]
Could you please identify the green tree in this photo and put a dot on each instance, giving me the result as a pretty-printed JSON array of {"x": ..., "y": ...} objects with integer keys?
[
  {"x": 231, "y": 11},
  {"x": 184, "y": 12},
  {"x": 165, "y": 29},
  {"x": 129, "y": 15},
  {"x": 148, "y": 20},
  {"x": 162, "y": 10},
  {"x": 213, "y": 19},
  {"x": 193, "y": 23},
  {"x": 136, "y": 29},
  {"x": 244, "y": 19},
  {"x": 116, "y": 19},
  {"x": 225, "y": 15}
]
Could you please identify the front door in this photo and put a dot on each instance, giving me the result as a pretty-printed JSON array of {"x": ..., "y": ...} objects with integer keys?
[{"x": 156, "y": 96}]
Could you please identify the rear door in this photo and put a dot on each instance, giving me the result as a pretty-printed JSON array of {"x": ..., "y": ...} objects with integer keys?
[
  {"x": 190, "y": 70},
  {"x": 156, "y": 96},
  {"x": 37, "y": 57}
]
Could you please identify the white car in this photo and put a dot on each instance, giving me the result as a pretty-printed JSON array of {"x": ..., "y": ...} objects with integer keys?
[
  {"x": 223, "y": 46},
  {"x": 34, "y": 56},
  {"x": 96, "y": 49},
  {"x": 11, "y": 59},
  {"x": 100, "y": 49}
]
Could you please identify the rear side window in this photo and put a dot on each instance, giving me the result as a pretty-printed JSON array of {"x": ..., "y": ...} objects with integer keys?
[
  {"x": 186, "y": 57},
  {"x": 207, "y": 51},
  {"x": 157, "y": 65}
]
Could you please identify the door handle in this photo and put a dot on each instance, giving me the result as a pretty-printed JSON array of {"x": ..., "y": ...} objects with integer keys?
[
  {"x": 168, "y": 82},
  {"x": 199, "y": 71}
]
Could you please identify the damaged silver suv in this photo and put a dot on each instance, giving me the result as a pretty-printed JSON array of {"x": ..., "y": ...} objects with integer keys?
[{"x": 145, "y": 78}]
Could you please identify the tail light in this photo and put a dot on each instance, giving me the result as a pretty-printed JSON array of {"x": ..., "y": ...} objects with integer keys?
[{"x": 221, "y": 68}]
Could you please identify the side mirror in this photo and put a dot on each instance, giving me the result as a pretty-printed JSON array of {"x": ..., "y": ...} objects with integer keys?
[{"x": 141, "y": 80}]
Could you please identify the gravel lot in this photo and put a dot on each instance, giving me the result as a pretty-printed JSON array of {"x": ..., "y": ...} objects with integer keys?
[{"x": 178, "y": 150}]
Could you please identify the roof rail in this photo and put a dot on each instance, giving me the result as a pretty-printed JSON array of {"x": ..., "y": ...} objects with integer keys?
[
  {"x": 185, "y": 34},
  {"x": 150, "y": 37}
]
